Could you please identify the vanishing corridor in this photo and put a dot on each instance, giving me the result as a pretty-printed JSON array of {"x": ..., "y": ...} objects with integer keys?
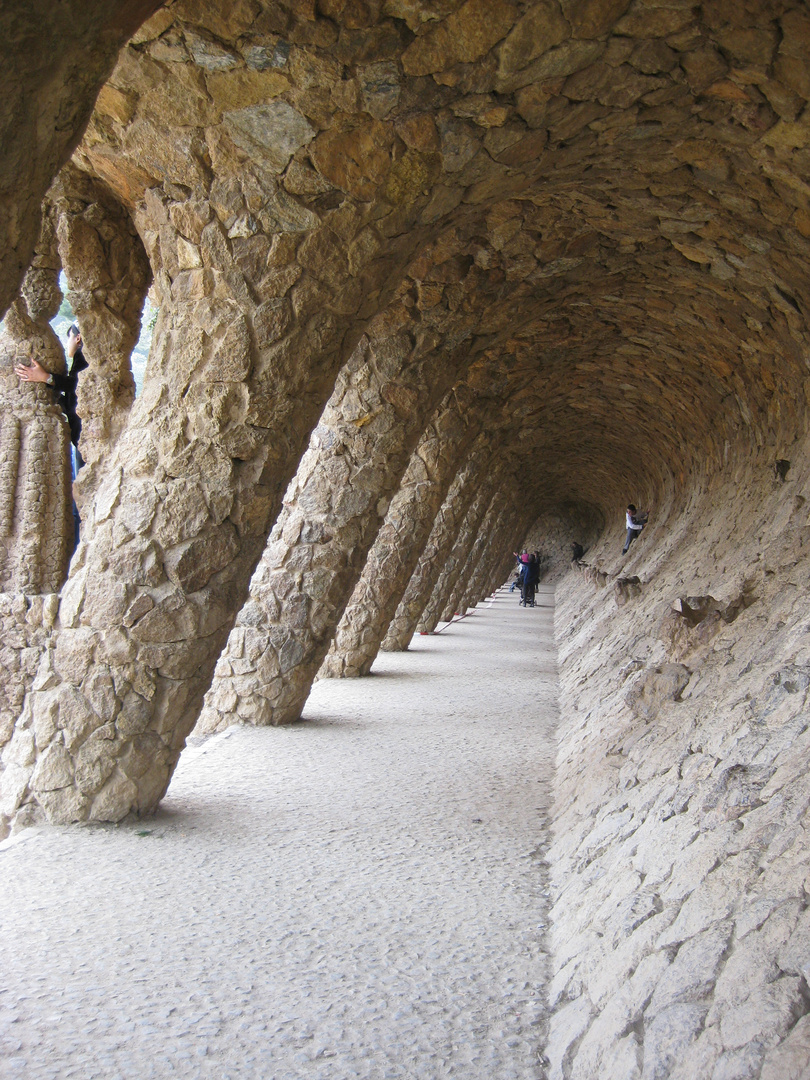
[{"x": 359, "y": 895}]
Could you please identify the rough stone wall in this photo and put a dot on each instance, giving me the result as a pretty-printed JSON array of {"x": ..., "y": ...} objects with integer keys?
[
  {"x": 332, "y": 514},
  {"x": 621, "y": 186},
  {"x": 480, "y": 511},
  {"x": 553, "y": 534},
  {"x": 498, "y": 519},
  {"x": 25, "y": 625},
  {"x": 681, "y": 864},
  {"x": 487, "y": 574}
]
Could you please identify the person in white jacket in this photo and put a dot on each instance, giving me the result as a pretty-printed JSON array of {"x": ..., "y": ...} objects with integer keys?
[{"x": 635, "y": 523}]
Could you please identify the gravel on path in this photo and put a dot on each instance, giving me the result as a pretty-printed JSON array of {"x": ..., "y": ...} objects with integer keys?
[{"x": 359, "y": 895}]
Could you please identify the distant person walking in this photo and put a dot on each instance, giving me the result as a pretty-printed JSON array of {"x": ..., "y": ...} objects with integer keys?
[{"x": 635, "y": 522}]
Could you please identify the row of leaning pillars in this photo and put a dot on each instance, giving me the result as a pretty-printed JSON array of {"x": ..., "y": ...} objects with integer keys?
[{"x": 435, "y": 281}]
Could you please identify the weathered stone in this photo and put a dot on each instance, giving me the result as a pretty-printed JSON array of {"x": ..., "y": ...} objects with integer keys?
[
  {"x": 54, "y": 770},
  {"x": 274, "y": 131},
  {"x": 399, "y": 543},
  {"x": 354, "y": 155},
  {"x": 464, "y": 36},
  {"x": 601, "y": 210},
  {"x": 655, "y": 687},
  {"x": 788, "y": 1060},
  {"x": 541, "y": 28},
  {"x": 192, "y": 565}
]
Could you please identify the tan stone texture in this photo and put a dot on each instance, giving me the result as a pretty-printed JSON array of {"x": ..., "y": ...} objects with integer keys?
[
  {"x": 473, "y": 551},
  {"x": 36, "y": 518},
  {"x": 48, "y": 86},
  {"x": 456, "y": 560},
  {"x": 437, "y": 548},
  {"x": 399, "y": 542},
  {"x": 592, "y": 218}
]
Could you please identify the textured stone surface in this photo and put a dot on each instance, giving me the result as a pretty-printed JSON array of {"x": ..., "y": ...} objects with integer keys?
[
  {"x": 36, "y": 516},
  {"x": 480, "y": 547},
  {"x": 679, "y": 863},
  {"x": 595, "y": 218},
  {"x": 399, "y": 542},
  {"x": 107, "y": 274},
  {"x": 332, "y": 514},
  {"x": 437, "y": 549},
  {"x": 49, "y": 85},
  {"x": 456, "y": 561}
]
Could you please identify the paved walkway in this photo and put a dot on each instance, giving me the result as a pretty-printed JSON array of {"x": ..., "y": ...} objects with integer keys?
[{"x": 358, "y": 896}]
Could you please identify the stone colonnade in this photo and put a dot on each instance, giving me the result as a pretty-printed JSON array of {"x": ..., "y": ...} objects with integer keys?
[
  {"x": 538, "y": 260},
  {"x": 444, "y": 534},
  {"x": 332, "y": 516},
  {"x": 393, "y": 558}
]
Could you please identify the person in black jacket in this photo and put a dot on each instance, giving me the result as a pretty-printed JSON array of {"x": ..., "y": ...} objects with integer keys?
[
  {"x": 64, "y": 385},
  {"x": 531, "y": 575}
]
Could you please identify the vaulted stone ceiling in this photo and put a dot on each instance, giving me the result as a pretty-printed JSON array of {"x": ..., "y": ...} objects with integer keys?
[{"x": 627, "y": 180}]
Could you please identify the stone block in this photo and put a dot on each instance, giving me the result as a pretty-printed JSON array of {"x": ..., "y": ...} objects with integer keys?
[
  {"x": 766, "y": 1015},
  {"x": 192, "y": 565},
  {"x": 152, "y": 786},
  {"x": 99, "y": 691},
  {"x": 94, "y": 762},
  {"x": 115, "y": 800},
  {"x": 713, "y": 900},
  {"x": 691, "y": 975},
  {"x": 20, "y": 750},
  {"x": 789, "y": 1059},
  {"x": 540, "y": 29},
  {"x": 74, "y": 654},
  {"x": 274, "y": 131},
  {"x": 655, "y": 687},
  {"x": 668, "y": 1035},
  {"x": 65, "y": 806},
  {"x": 44, "y": 715},
  {"x": 53, "y": 771},
  {"x": 566, "y": 1027},
  {"x": 13, "y": 786},
  {"x": 622, "y": 1059}
]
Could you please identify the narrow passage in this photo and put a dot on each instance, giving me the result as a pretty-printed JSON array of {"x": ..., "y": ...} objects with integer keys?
[{"x": 358, "y": 896}]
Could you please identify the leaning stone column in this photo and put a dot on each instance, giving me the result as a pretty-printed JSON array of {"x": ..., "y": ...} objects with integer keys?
[
  {"x": 319, "y": 543},
  {"x": 437, "y": 549},
  {"x": 491, "y": 521},
  {"x": 108, "y": 274},
  {"x": 471, "y": 584},
  {"x": 178, "y": 522},
  {"x": 36, "y": 519},
  {"x": 483, "y": 578},
  {"x": 36, "y": 515},
  {"x": 399, "y": 542},
  {"x": 457, "y": 559}
]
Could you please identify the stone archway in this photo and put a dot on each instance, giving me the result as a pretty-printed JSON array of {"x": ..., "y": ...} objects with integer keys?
[{"x": 595, "y": 216}]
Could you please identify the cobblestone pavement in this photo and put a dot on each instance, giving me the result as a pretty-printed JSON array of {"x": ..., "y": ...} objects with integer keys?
[{"x": 361, "y": 895}]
